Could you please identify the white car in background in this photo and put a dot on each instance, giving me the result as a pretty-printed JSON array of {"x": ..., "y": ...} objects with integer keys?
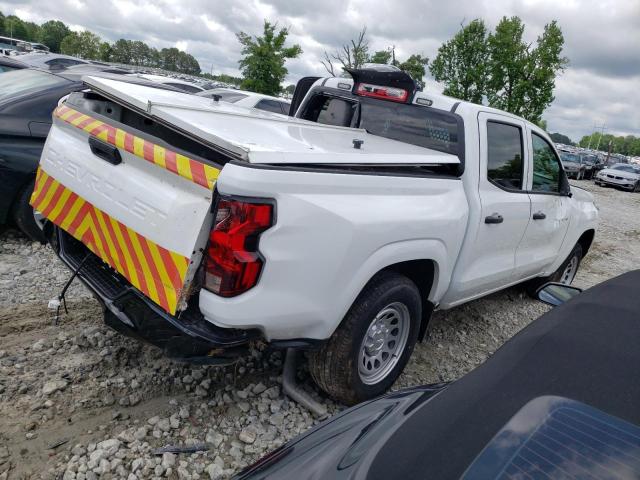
[
  {"x": 622, "y": 175},
  {"x": 249, "y": 99},
  {"x": 188, "y": 87}
]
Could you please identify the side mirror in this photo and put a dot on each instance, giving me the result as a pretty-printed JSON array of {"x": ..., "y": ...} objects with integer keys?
[{"x": 555, "y": 294}]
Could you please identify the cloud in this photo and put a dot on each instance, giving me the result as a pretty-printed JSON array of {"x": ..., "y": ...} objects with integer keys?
[{"x": 601, "y": 38}]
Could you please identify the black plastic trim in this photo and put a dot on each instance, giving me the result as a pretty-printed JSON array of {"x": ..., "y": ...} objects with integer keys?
[{"x": 345, "y": 170}]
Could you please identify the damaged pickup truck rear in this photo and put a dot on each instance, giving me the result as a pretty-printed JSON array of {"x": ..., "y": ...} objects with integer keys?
[{"x": 203, "y": 227}]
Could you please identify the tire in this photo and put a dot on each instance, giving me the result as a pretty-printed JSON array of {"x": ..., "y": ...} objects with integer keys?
[
  {"x": 564, "y": 274},
  {"x": 343, "y": 366},
  {"x": 636, "y": 188},
  {"x": 22, "y": 214}
]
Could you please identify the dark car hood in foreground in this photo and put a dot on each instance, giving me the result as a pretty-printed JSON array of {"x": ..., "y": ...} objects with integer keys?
[{"x": 586, "y": 350}]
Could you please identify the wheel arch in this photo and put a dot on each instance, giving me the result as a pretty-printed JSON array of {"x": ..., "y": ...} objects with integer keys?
[{"x": 585, "y": 240}]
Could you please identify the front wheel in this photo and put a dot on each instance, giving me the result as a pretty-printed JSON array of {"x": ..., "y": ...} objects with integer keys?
[
  {"x": 372, "y": 345},
  {"x": 565, "y": 274}
]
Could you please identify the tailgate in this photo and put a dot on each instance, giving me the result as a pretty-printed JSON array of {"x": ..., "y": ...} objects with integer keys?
[{"x": 147, "y": 215}]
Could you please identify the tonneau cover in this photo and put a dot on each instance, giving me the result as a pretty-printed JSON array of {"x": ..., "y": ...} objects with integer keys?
[{"x": 262, "y": 137}]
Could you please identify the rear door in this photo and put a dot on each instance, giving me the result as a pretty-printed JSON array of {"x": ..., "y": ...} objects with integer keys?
[
  {"x": 140, "y": 204},
  {"x": 550, "y": 210}
]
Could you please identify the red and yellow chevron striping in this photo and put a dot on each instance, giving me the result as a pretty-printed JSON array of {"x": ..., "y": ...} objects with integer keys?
[
  {"x": 157, "y": 272},
  {"x": 192, "y": 170}
]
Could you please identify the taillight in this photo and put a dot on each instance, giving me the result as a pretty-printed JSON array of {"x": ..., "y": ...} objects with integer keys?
[
  {"x": 384, "y": 93},
  {"x": 233, "y": 262}
]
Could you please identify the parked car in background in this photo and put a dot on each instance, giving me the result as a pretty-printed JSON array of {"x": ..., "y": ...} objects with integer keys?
[
  {"x": 10, "y": 63},
  {"x": 572, "y": 165},
  {"x": 182, "y": 85},
  {"x": 52, "y": 61},
  {"x": 623, "y": 175},
  {"x": 27, "y": 99},
  {"x": 590, "y": 164},
  {"x": 561, "y": 396},
  {"x": 244, "y": 98}
]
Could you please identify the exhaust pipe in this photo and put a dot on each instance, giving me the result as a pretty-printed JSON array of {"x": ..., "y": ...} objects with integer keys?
[{"x": 293, "y": 390}]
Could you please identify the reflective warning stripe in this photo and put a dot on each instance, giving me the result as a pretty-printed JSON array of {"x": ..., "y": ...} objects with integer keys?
[
  {"x": 157, "y": 272},
  {"x": 188, "y": 168}
]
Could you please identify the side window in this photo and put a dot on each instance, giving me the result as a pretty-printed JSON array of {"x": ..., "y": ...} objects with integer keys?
[
  {"x": 285, "y": 108},
  {"x": 269, "y": 106},
  {"x": 546, "y": 167},
  {"x": 504, "y": 156}
]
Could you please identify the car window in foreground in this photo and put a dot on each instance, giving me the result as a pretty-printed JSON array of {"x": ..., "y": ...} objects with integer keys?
[
  {"x": 19, "y": 82},
  {"x": 269, "y": 106},
  {"x": 546, "y": 168}
]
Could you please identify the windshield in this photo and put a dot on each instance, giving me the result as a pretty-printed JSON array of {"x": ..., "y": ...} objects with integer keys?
[
  {"x": 19, "y": 82},
  {"x": 569, "y": 157},
  {"x": 626, "y": 168},
  {"x": 419, "y": 126},
  {"x": 588, "y": 159}
]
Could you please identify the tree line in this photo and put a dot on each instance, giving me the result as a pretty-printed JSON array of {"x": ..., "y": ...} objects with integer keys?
[
  {"x": 626, "y": 145},
  {"x": 61, "y": 39},
  {"x": 496, "y": 67}
]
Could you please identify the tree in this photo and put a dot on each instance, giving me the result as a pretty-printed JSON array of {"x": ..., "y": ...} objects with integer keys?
[
  {"x": 381, "y": 56},
  {"x": 351, "y": 55},
  {"x": 121, "y": 51},
  {"x": 264, "y": 57},
  {"x": 560, "y": 138},
  {"x": 521, "y": 79},
  {"x": 415, "y": 66},
  {"x": 104, "y": 52},
  {"x": 461, "y": 63},
  {"x": 84, "y": 45},
  {"x": 15, "y": 27},
  {"x": 52, "y": 33}
]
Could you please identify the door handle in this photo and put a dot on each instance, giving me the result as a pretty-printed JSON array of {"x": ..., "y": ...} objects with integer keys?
[
  {"x": 495, "y": 218},
  {"x": 105, "y": 151},
  {"x": 539, "y": 216}
]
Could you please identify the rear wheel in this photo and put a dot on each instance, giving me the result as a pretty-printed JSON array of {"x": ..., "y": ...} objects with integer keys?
[
  {"x": 23, "y": 215},
  {"x": 372, "y": 345},
  {"x": 565, "y": 274}
]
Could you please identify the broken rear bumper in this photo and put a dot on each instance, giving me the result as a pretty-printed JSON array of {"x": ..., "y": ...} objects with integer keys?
[{"x": 187, "y": 336}]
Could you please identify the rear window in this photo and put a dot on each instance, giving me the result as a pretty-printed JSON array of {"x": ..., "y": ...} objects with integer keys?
[
  {"x": 20, "y": 82},
  {"x": 419, "y": 126}
]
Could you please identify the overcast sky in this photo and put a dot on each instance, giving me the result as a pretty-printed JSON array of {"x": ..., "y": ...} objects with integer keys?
[{"x": 602, "y": 38}]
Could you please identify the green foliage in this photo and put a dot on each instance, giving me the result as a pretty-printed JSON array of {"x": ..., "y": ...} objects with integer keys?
[
  {"x": 52, "y": 33},
  {"x": 521, "y": 79},
  {"x": 104, "y": 52},
  {"x": 560, "y": 138},
  {"x": 264, "y": 57},
  {"x": 501, "y": 67},
  {"x": 415, "y": 66},
  {"x": 461, "y": 63},
  {"x": 84, "y": 45},
  {"x": 59, "y": 38},
  {"x": 627, "y": 145},
  {"x": 381, "y": 56}
]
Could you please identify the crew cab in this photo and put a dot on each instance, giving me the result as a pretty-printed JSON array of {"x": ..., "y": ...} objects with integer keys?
[{"x": 204, "y": 227}]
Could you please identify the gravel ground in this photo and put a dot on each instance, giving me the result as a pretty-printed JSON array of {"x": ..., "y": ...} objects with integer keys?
[{"x": 78, "y": 401}]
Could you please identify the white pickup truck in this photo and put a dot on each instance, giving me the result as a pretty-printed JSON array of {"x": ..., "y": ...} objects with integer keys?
[{"x": 203, "y": 227}]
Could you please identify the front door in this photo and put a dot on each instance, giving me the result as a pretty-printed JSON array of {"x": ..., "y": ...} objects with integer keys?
[
  {"x": 504, "y": 206},
  {"x": 549, "y": 210}
]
